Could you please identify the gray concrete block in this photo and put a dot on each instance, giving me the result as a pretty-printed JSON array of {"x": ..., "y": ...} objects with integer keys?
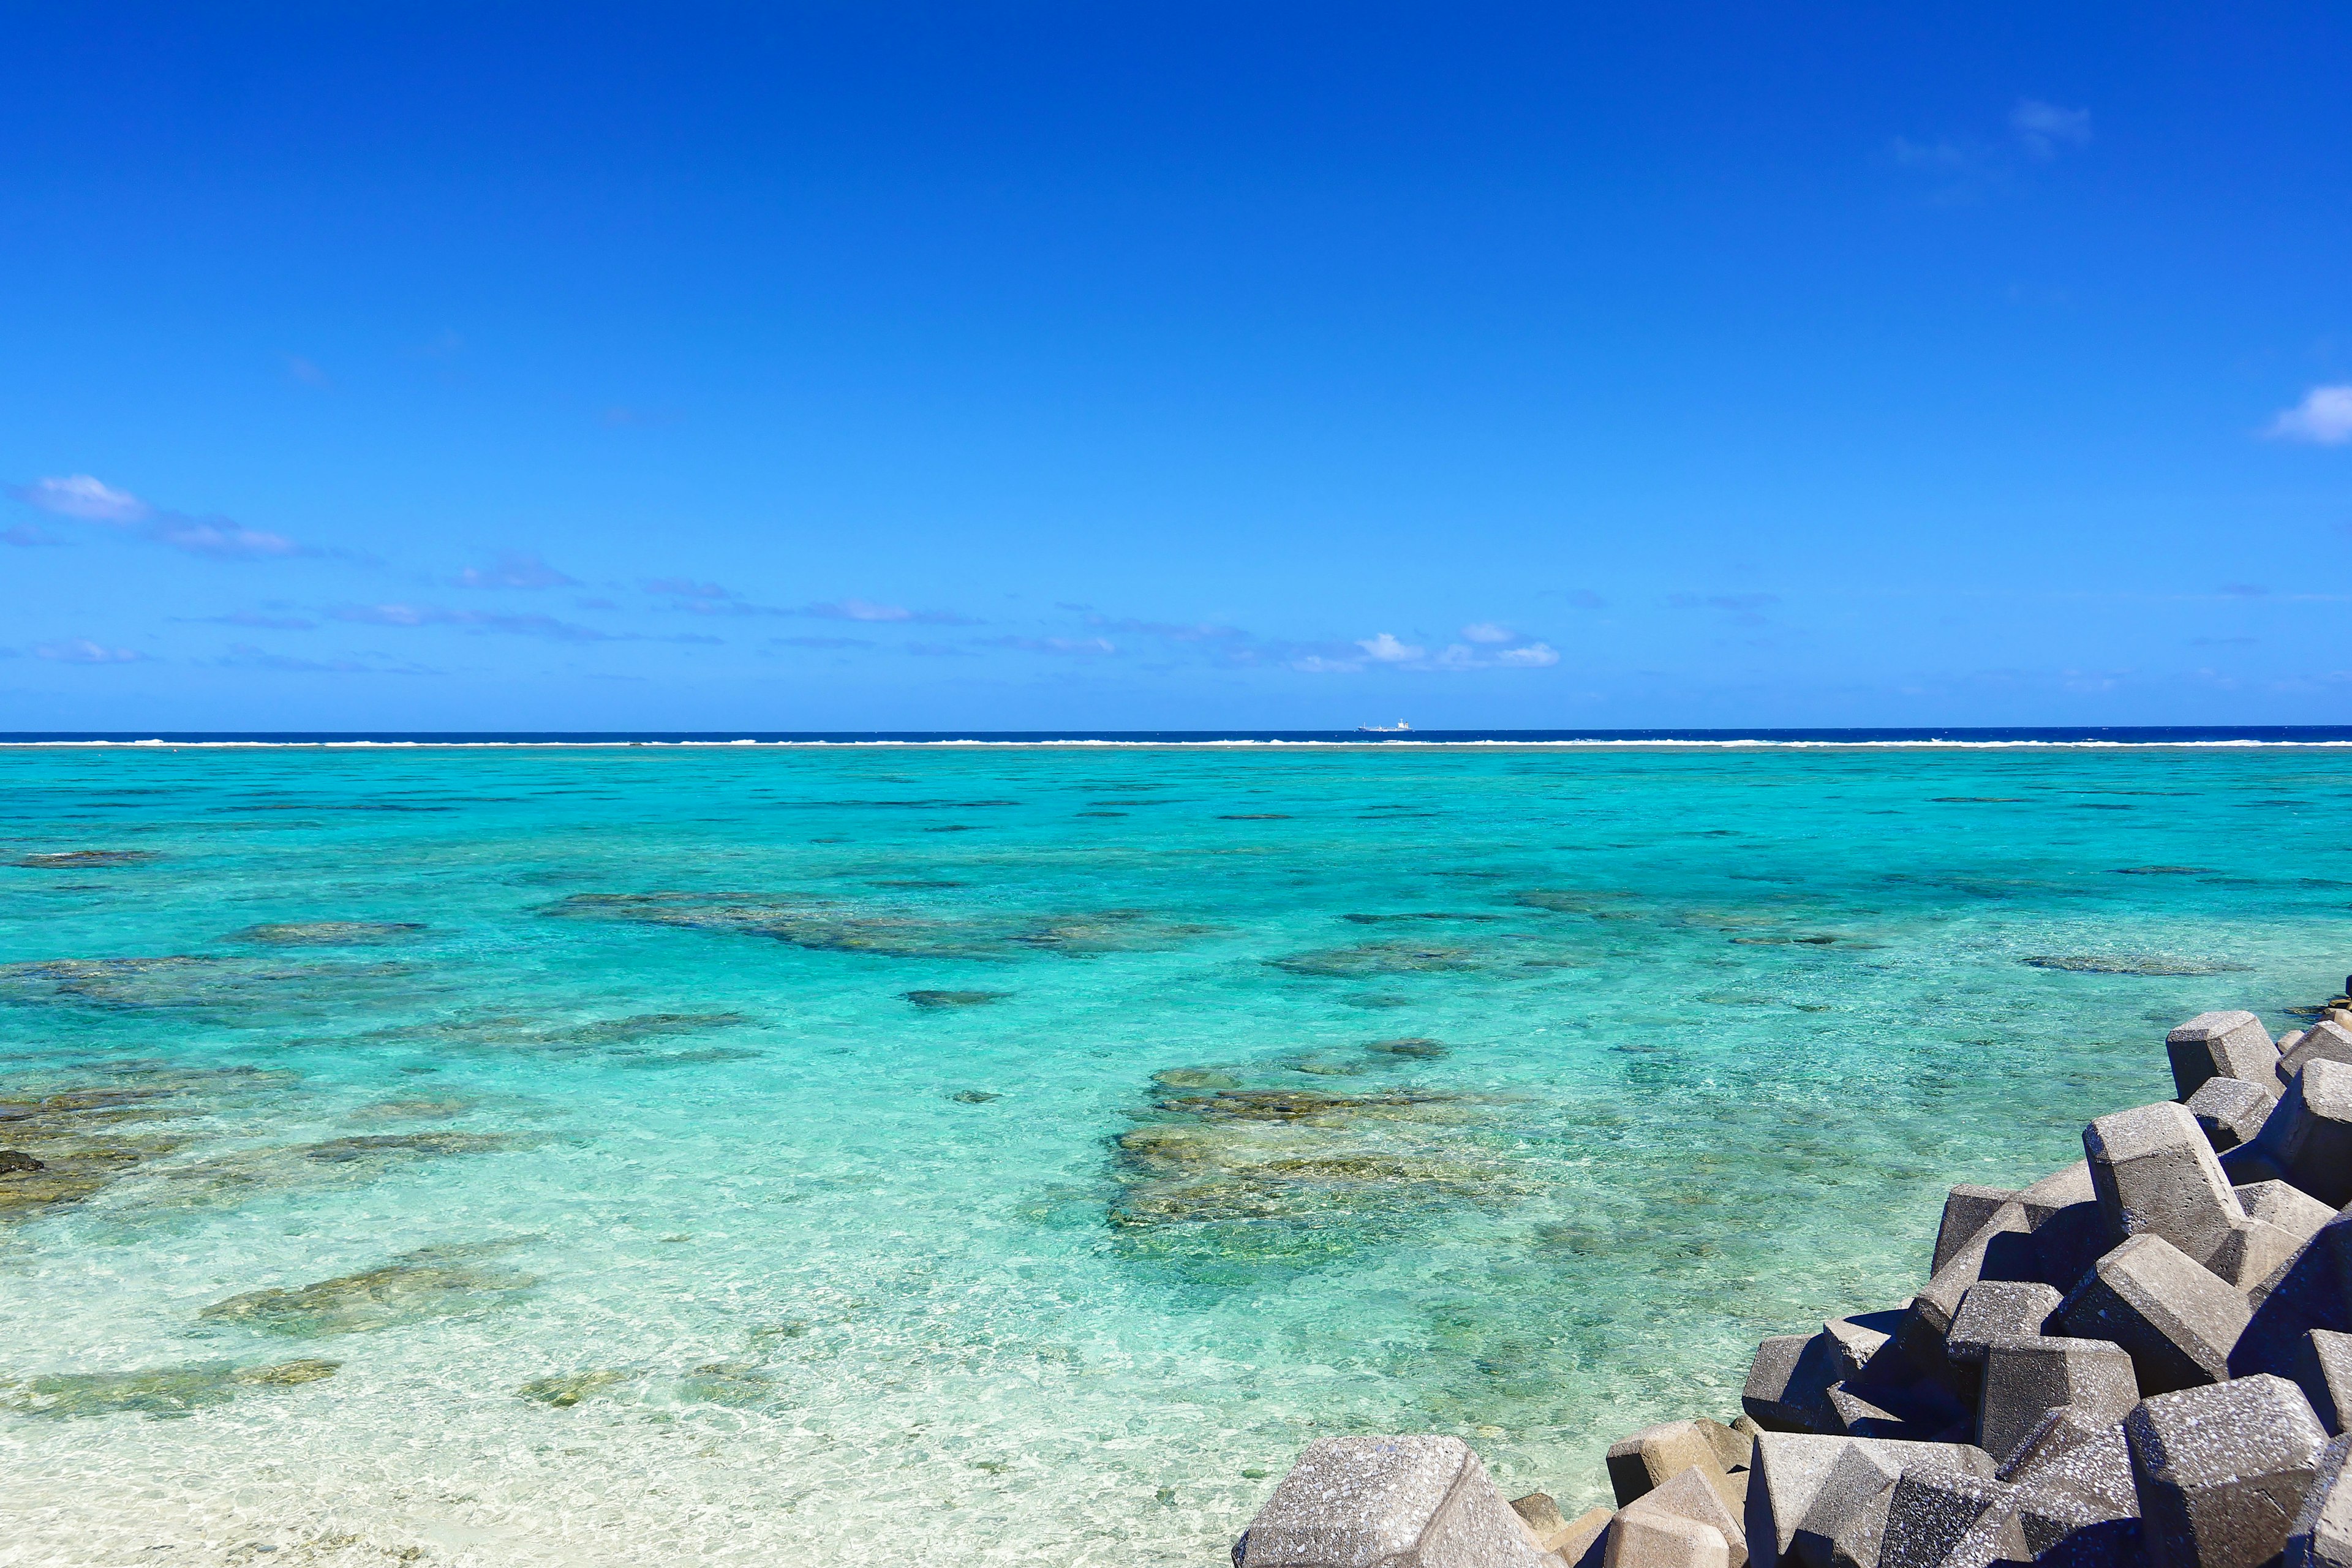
[
  {"x": 2221, "y": 1045},
  {"x": 2252, "y": 1253},
  {"x": 1789, "y": 1382},
  {"x": 1858, "y": 1339},
  {"x": 1929, "y": 1512},
  {"x": 1664, "y": 1541},
  {"x": 2058, "y": 1190},
  {"x": 2222, "y": 1472},
  {"x": 2177, "y": 1322},
  {"x": 2325, "y": 1041},
  {"x": 1967, "y": 1207},
  {"x": 2313, "y": 1291},
  {"x": 2025, "y": 1380},
  {"x": 2309, "y": 1136},
  {"x": 1398, "y": 1502},
  {"x": 2156, "y": 1175},
  {"x": 1587, "y": 1540},
  {"x": 1940, "y": 1298},
  {"x": 2323, "y": 1370},
  {"x": 2283, "y": 1204},
  {"x": 1645, "y": 1460},
  {"x": 2000, "y": 1310},
  {"x": 2321, "y": 1535},
  {"x": 1693, "y": 1495},
  {"x": 1734, "y": 1445},
  {"x": 2093, "y": 1464},
  {"x": 1803, "y": 1489},
  {"x": 2229, "y": 1112},
  {"x": 1857, "y": 1416},
  {"x": 1542, "y": 1517}
]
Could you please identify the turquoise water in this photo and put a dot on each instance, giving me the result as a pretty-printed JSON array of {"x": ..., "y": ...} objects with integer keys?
[{"x": 533, "y": 1155}]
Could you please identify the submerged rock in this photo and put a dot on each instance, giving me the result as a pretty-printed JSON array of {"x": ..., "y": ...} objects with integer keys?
[
  {"x": 183, "y": 980},
  {"x": 567, "y": 1389},
  {"x": 81, "y": 859},
  {"x": 1410, "y": 1046},
  {"x": 16, "y": 1162},
  {"x": 2101, "y": 964},
  {"x": 433, "y": 1110},
  {"x": 1375, "y": 958},
  {"x": 328, "y": 934},
  {"x": 437, "y": 1282},
  {"x": 827, "y": 925},
  {"x": 726, "y": 1382},
  {"x": 165, "y": 1391},
  {"x": 974, "y": 1096},
  {"x": 937, "y": 999},
  {"x": 1195, "y": 1077}
]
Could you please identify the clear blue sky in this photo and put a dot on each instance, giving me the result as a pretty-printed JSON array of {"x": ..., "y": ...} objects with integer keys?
[{"x": 1059, "y": 365}]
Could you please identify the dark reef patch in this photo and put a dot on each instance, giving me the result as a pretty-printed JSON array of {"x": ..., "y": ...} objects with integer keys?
[
  {"x": 828, "y": 926},
  {"x": 418, "y": 1287},
  {"x": 1377, "y": 958},
  {"x": 936, "y": 1000},
  {"x": 329, "y": 933},
  {"x": 2151, "y": 964},
  {"x": 81, "y": 859},
  {"x": 163, "y": 1392}
]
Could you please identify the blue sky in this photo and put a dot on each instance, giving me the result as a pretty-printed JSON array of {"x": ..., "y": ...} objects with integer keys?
[{"x": 1043, "y": 366}]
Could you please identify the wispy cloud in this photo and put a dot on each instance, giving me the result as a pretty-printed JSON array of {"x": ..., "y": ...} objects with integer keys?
[
  {"x": 2324, "y": 418},
  {"x": 1535, "y": 656},
  {"x": 687, "y": 588},
  {"x": 86, "y": 498},
  {"x": 1073, "y": 647},
  {"x": 1317, "y": 664},
  {"x": 81, "y": 650},
  {"x": 1172, "y": 631},
  {"x": 2044, "y": 129},
  {"x": 530, "y": 626},
  {"x": 255, "y": 618},
  {"x": 514, "y": 569},
  {"x": 867, "y": 610},
  {"x": 1489, "y": 631}
]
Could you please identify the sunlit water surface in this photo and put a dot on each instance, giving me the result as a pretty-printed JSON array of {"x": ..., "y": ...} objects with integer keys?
[{"x": 533, "y": 1156}]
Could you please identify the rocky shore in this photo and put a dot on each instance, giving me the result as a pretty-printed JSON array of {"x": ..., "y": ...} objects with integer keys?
[{"x": 2144, "y": 1358}]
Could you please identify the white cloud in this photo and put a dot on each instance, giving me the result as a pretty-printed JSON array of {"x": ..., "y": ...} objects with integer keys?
[
  {"x": 1458, "y": 656},
  {"x": 515, "y": 569},
  {"x": 1315, "y": 664},
  {"x": 1384, "y": 649},
  {"x": 1535, "y": 656},
  {"x": 2323, "y": 417},
  {"x": 863, "y": 610},
  {"x": 218, "y": 538},
  {"x": 1487, "y": 631},
  {"x": 2044, "y": 129},
  {"x": 81, "y": 650},
  {"x": 88, "y": 500}
]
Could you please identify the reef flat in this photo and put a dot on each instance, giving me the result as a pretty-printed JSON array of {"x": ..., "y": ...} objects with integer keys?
[{"x": 515, "y": 1156}]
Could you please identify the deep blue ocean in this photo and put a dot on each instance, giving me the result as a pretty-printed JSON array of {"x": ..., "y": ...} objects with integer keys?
[{"x": 1014, "y": 1153}]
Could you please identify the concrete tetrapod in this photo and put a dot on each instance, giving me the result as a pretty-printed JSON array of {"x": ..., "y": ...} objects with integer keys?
[
  {"x": 1398, "y": 1502},
  {"x": 1650, "y": 1456},
  {"x": 2229, "y": 1112},
  {"x": 2156, "y": 1175},
  {"x": 1803, "y": 1488},
  {"x": 2321, "y": 1536},
  {"x": 2222, "y": 1472},
  {"x": 2308, "y": 1138},
  {"x": 2323, "y": 1370},
  {"x": 2000, "y": 1310},
  {"x": 2176, "y": 1321},
  {"x": 2221, "y": 1045},
  {"x": 2025, "y": 1380},
  {"x": 1692, "y": 1496}
]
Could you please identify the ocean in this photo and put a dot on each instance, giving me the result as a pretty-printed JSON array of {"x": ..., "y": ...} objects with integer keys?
[{"x": 1014, "y": 1153}]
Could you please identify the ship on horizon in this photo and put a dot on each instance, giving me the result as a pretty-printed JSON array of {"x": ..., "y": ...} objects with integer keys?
[{"x": 1399, "y": 728}]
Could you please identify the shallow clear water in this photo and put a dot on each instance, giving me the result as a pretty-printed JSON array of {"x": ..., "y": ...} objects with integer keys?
[{"x": 1513, "y": 1093}]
